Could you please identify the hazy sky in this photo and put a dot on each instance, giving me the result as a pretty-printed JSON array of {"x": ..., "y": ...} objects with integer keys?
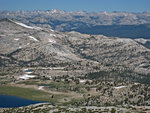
[{"x": 77, "y": 5}]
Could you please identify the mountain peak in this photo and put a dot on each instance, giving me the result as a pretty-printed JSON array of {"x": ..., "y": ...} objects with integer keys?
[{"x": 56, "y": 11}]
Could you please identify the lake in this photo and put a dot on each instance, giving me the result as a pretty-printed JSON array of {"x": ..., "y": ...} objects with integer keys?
[{"x": 7, "y": 101}]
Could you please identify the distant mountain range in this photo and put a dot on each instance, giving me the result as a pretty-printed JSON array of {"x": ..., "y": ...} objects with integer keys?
[{"x": 118, "y": 24}]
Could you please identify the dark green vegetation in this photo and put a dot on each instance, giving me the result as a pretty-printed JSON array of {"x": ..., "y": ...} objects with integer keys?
[
  {"x": 25, "y": 93},
  {"x": 117, "y": 89},
  {"x": 121, "y": 76},
  {"x": 100, "y": 88}
]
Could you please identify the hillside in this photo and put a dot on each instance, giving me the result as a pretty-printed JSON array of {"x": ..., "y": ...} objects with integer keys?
[
  {"x": 22, "y": 45},
  {"x": 69, "y": 69}
]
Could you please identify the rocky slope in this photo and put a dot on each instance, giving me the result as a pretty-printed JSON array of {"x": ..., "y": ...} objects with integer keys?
[
  {"x": 23, "y": 45},
  {"x": 32, "y": 45}
]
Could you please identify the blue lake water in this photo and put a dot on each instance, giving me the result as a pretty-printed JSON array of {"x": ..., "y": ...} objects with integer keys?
[{"x": 7, "y": 101}]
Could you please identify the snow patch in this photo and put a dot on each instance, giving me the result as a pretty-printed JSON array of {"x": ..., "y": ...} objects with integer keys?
[
  {"x": 23, "y": 25},
  {"x": 41, "y": 87},
  {"x": 37, "y": 28},
  {"x": 142, "y": 40},
  {"x": 27, "y": 71},
  {"x": 54, "y": 11},
  {"x": 20, "y": 47},
  {"x": 51, "y": 41},
  {"x": 52, "y": 30},
  {"x": 53, "y": 35},
  {"x": 26, "y": 76},
  {"x": 26, "y": 34},
  {"x": 26, "y": 26},
  {"x": 82, "y": 81},
  {"x": 28, "y": 44},
  {"x": 50, "y": 78},
  {"x": 16, "y": 39},
  {"x": 136, "y": 83},
  {"x": 33, "y": 38},
  {"x": 119, "y": 87}
]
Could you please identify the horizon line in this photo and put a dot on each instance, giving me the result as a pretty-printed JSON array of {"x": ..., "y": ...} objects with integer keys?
[{"x": 74, "y": 11}]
